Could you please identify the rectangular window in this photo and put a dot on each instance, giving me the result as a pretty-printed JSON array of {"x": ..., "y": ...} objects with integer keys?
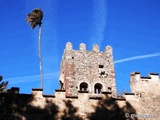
[{"x": 101, "y": 66}]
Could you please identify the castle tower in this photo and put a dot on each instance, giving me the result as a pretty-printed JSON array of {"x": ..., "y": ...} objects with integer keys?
[{"x": 87, "y": 71}]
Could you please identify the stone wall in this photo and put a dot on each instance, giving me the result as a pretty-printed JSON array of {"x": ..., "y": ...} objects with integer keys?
[
  {"x": 145, "y": 85},
  {"x": 15, "y": 106},
  {"x": 146, "y": 90}
]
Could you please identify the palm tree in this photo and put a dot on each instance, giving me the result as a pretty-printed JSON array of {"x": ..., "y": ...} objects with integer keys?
[
  {"x": 35, "y": 18},
  {"x": 3, "y": 85}
]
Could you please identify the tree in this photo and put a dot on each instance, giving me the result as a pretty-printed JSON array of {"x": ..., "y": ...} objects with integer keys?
[
  {"x": 35, "y": 19},
  {"x": 3, "y": 85}
]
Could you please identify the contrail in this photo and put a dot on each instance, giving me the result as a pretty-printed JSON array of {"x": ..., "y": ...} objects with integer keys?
[
  {"x": 51, "y": 76},
  {"x": 100, "y": 17},
  {"x": 137, "y": 57},
  {"x": 24, "y": 79}
]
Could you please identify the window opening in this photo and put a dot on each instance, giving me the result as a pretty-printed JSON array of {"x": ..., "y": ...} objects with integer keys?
[
  {"x": 101, "y": 71},
  {"x": 101, "y": 66},
  {"x": 83, "y": 86},
  {"x": 97, "y": 88}
]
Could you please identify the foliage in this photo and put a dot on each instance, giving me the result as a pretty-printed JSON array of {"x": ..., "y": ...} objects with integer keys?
[
  {"x": 35, "y": 18},
  {"x": 3, "y": 85}
]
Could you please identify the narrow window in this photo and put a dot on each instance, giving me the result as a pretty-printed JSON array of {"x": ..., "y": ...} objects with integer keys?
[
  {"x": 83, "y": 86},
  {"x": 101, "y": 71},
  {"x": 97, "y": 88}
]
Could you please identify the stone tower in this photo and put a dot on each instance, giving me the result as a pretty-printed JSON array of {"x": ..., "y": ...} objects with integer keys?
[{"x": 87, "y": 71}]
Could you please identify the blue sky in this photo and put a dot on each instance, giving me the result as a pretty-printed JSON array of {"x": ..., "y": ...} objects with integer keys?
[{"x": 131, "y": 27}]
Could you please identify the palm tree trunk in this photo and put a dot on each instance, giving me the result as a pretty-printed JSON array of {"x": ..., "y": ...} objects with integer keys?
[{"x": 40, "y": 56}]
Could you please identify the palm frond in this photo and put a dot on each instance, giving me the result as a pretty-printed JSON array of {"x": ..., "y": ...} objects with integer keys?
[{"x": 35, "y": 18}]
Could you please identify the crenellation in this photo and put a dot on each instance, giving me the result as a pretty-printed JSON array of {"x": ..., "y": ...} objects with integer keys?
[
  {"x": 108, "y": 49},
  {"x": 37, "y": 92},
  {"x": 82, "y": 47},
  {"x": 60, "y": 94},
  {"x": 154, "y": 76},
  {"x": 144, "y": 84},
  {"x": 135, "y": 76},
  {"x": 95, "y": 48},
  {"x": 69, "y": 46},
  {"x": 14, "y": 90}
]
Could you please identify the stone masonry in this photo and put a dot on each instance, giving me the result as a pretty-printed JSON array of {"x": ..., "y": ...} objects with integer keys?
[{"x": 90, "y": 68}]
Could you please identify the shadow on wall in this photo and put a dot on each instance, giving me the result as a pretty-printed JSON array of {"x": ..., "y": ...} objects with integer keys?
[
  {"x": 17, "y": 107},
  {"x": 70, "y": 113},
  {"x": 108, "y": 109}
]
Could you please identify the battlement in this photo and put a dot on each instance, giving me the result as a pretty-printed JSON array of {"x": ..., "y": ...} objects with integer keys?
[
  {"x": 59, "y": 94},
  {"x": 82, "y": 48},
  {"x": 145, "y": 84},
  {"x": 82, "y": 95},
  {"x": 42, "y": 106},
  {"x": 151, "y": 76},
  {"x": 14, "y": 90}
]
